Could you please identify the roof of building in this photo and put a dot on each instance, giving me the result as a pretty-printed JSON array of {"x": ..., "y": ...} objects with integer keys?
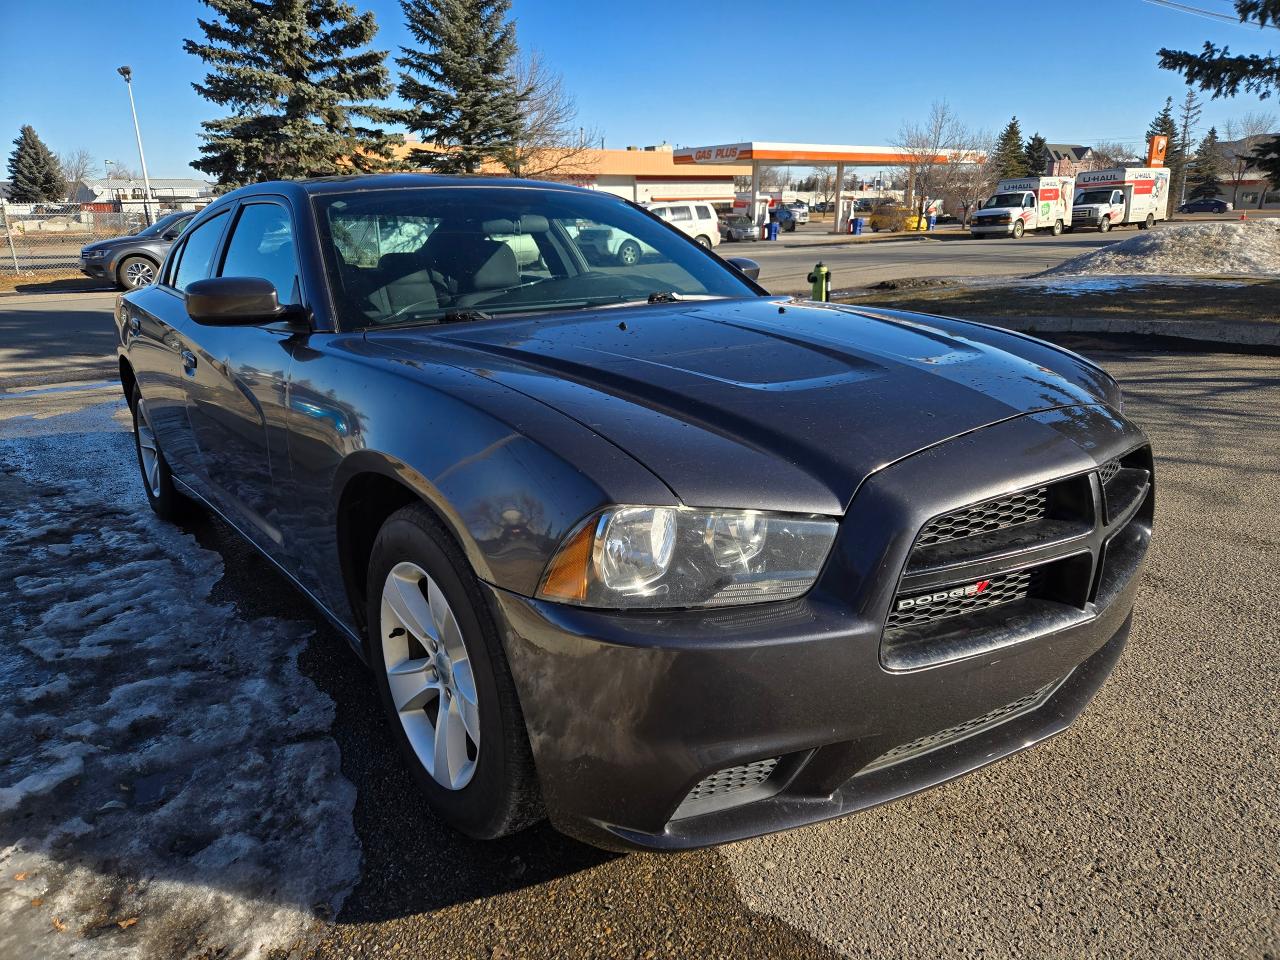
[
  {"x": 802, "y": 154},
  {"x": 1067, "y": 151},
  {"x": 157, "y": 183},
  {"x": 574, "y": 162}
]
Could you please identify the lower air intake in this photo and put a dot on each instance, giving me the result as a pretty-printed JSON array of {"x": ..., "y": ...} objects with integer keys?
[{"x": 728, "y": 787}]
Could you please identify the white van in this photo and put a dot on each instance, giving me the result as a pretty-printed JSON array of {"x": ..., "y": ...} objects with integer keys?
[
  {"x": 697, "y": 218},
  {"x": 1121, "y": 195},
  {"x": 1022, "y": 204}
]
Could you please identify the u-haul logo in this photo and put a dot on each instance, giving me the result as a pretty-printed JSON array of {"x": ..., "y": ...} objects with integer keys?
[{"x": 955, "y": 593}]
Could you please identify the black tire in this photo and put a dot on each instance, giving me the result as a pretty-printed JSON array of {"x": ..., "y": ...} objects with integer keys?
[
  {"x": 164, "y": 498},
  {"x": 1149, "y": 222},
  {"x": 1018, "y": 229},
  {"x": 629, "y": 253},
  {"x": 1057, "y": 228},
  {"x": 135, "y": 272},
  {"x": 502, "y": 796},
  {"x": 791, "y": 227},
  {"x": 1104, "y": 225},
  {"x": 703, "y": 241}
]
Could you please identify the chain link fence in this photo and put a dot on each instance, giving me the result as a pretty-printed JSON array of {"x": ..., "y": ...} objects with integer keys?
[{"x": 39, "y": 237}]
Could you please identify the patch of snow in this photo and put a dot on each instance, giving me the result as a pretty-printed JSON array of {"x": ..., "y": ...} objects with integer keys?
[
  {"x": 168, "y": 788},
  {"x": 1075, "y": 286},
  {"x": 1246, "y": 248}
]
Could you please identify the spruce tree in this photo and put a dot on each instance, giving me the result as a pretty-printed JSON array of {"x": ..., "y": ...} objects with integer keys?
[
  {"x": 34, "y": 172},
  {"x": 1010, "y": 157},
  {"x": 1219, "y": 71},
  {"x": 1166, "y": 126},
  {"x": 1266, "y": 157},
  {"x": 459, "y": 83},
  {"x": 1037, "y": 154},
  {"x": 298, "y": 79},
  {"x": 1205, "y": 170}
]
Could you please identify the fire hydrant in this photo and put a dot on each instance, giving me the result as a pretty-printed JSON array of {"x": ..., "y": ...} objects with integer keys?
[{"x": 820, "y": 280}]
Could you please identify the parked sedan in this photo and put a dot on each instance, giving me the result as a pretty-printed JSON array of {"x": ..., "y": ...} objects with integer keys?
[
  {"x": 739, "y": 228},
  {"x": 643, "y": 548},
  {"x": 1205, "y": 205},
  {"x": 132, "y": 261}
]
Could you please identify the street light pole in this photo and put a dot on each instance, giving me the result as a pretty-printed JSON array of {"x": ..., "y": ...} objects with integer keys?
[{"x": 127, "y": 73}]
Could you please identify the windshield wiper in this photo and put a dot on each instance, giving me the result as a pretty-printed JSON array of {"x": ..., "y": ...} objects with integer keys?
[
  {"x": 665, "y": 296},
  {"x": 463, "y": 316}
]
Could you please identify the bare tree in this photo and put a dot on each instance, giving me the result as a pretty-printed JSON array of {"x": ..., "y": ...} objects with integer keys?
[
  {"x": 77, "y": 165},
  {"x": 972, "y": 177},
  {"x": 1110, "y": 153},
  {"x": 118, "y": 170},
  {"x": 932, "y": 150},
  {"x": 1240, "y": 138},
  {"x": 823, "y": 183},
  {"x": 550, "y": 144}
]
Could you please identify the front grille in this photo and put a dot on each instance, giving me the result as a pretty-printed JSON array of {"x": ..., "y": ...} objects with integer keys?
[
  {"x": 1025, "y": 506},
  {"x": 917, "y": 609},
  {"x": 962, "y": 731},
  {"x": 732, "y": 779}
]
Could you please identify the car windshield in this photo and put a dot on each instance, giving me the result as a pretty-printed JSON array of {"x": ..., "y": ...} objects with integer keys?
[
  {"x": 1003, "y": 200},
  {"x": 163, "y": 224},
  {"x": 445, "y": 254},
  {"x": 1094, "y": 196}
]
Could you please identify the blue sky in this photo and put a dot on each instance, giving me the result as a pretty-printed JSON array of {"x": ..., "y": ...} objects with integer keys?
[{"x": 685, "y": 71}]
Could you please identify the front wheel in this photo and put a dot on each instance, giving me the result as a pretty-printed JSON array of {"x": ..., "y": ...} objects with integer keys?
[
  {"x": 1057, "y": 228},
  {"x": 1104, "y": 224},
  {"x": 135, "y": 272},
  {"x": 1018, "y": 229},
  {"x": 445, "y": 682}
]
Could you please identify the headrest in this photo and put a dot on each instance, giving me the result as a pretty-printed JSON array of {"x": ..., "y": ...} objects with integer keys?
[
  {"x": 498, "y": 269},
  {"x": 527, "y": 223}
]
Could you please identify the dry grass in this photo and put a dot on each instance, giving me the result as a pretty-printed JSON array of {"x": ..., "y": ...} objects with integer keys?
[{"x": 49, "y": 281}]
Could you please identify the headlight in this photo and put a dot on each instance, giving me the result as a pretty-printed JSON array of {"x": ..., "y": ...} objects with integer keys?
[
  {"x": 637, "y": 556},
  {"x": 93, "y": 254}
]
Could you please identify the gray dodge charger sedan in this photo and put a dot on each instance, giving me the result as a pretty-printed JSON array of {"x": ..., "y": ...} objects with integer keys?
[{"x": 638, "y": 547}]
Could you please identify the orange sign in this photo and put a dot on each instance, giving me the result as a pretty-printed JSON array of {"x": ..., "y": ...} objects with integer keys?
[{"x": 1156, "y": 150}]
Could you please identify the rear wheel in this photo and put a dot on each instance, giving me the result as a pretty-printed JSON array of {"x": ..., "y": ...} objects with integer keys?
[
  {"x": 1018, "y": 229},
  {"x": 703, "y": 241},
  {"x": 135, "y": 272},
  {"x": 445, "y": 682},
  {"x": 1057, "y": 228},
  {"x": 629, "y": 253},
  {"x": 157, "y": 479},
  {"x": 1149, "y": 222}
]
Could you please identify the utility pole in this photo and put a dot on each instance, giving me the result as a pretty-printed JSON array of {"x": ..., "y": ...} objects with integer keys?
[{"x": 127, "y": 73}]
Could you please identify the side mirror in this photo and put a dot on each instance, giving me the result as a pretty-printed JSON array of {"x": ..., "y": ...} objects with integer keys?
[
  {"x": 169, "y": 235},
  {"x": 234, "y": 301},
  {"x": 745, "y": 266}
]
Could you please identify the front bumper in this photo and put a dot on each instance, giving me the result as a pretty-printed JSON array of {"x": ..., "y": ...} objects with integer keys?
[
  {"x": 980, "y": 229},
  {"x": 98, "y": 269},
  {"x": 628, "y": 712}
]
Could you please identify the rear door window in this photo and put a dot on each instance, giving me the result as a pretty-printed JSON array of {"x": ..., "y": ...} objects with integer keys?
[
  {"x": 704, "y": 213},
  {"x": 681, "y": 213}
]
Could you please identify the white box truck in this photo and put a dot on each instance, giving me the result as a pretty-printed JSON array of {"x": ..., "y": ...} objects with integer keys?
[
  {"x": 1121, "y": 195},
  {"x": 1027, "y": 203}
]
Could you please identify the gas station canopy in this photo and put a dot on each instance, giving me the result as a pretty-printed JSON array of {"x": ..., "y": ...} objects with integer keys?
[
  {"x": 757, "y": 153},
  {"x": 799, "y": 154}
]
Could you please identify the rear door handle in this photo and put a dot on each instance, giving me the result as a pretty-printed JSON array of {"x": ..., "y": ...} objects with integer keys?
[{"x": 188, "y": 361}]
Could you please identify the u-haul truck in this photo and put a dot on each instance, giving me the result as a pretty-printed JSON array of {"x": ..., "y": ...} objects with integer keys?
[
  {"x": 1121, "y": 195},
  {"x": 1027, "y": 203}
]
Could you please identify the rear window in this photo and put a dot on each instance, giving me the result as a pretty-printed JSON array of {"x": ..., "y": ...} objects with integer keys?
[{"x": 704, "y": 213}]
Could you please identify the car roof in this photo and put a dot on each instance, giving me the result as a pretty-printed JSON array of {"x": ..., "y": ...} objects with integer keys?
[{"x": 392, "y": 181}]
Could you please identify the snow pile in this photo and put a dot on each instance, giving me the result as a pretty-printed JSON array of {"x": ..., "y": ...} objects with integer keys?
[
  {"x": 168, "y": 789},
  {"x": 1248, "y": 247}
]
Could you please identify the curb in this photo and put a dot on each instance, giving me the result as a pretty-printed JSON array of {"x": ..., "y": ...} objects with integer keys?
[{"x": 1225, "y": 332}]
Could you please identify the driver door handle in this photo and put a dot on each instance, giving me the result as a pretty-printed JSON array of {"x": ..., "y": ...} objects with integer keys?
[{"x": 188, "y": 361}]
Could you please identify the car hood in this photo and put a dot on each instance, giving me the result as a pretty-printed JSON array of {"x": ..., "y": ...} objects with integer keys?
[
  {"x": 763, "y": 403},
  {"x": 113, "y": 242}
]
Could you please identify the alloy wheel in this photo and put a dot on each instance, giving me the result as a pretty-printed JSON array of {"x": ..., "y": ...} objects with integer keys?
[
  {"x": 429, "y": 675},
  {"x": 139, "y": 273},
  {"x": 148, "y": 449}
]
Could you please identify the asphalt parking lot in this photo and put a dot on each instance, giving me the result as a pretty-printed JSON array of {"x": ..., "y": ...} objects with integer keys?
[{"x": 1150, "y": 829}]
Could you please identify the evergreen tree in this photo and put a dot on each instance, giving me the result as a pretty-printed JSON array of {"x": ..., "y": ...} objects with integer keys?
[
  {"x": 1216, "y": 70},
  {"x": 1010, "y": 159},
  {"x": 460, "y": 83},
  {"x": 34, "y": 172},
  {"x": 1037, "y": 154},
  {"x": 1266, "y": 157},
  {"x": 1163, "y": 124},
  {"x": 1205, "y": 170},
  {"x": 298, "y": 79},
  {"x": 1189, "y": 116}
]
